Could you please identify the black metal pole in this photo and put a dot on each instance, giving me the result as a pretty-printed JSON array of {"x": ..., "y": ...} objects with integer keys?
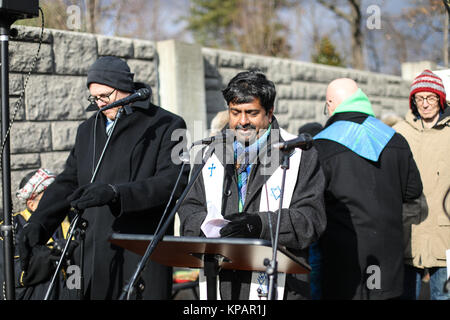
[
  {"x": 82, "y": 236},
  {"x": 272, "y": 266},
  {"x": 6, "y": 229},
  {"x": 211, "y": 269},
  {"x": 76, "y": 220},
  {"x": 128, "y": 288},
  {"x": 70, "y": 234}
]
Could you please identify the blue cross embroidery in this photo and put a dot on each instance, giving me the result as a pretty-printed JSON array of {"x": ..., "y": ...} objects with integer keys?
[
  {"x": 211, "y": 168},
  {"x": 276, "y": 192}
]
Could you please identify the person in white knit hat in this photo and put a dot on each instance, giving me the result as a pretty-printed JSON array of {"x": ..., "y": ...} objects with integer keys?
[{"x": 33, "y": 284}]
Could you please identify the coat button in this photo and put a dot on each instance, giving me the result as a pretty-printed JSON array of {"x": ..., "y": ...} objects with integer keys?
[{"x": 227, "y": 193}]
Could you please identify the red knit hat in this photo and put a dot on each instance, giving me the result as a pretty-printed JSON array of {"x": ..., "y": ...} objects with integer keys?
[{"x": 429, "y": 82}]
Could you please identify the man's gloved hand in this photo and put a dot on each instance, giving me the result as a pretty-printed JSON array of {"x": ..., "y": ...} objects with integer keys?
[
  {"x": 31, "y": 235},
  {"x": 242, "y": 225},
  {"x": 93, "y": 195},
  {"x": 58, "y": 248}
]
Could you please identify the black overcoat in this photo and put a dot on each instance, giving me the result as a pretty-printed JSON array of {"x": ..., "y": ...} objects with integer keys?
[
  {"x": 364, "y": 199},
  {"x": 139, "y": 162}
]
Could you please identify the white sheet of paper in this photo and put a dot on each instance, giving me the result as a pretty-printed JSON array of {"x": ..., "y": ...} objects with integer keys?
[{"x": 214, "y": 221}]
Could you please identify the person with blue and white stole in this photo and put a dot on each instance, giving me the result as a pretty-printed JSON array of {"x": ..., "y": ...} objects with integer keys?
[
  {"x": 240, "y": 185},
  {"x": 370, "y": 173}
]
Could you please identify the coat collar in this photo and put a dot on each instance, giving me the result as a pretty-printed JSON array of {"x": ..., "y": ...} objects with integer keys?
[
  {"x": 444, "y": 118},
  {"x": 367, "y": 140},
  {"x": 416, "y": 123},
  {"x": 259, "y": 173},
  {"x": 357, "y": 117},
  {"x": 124, "y": 123}
]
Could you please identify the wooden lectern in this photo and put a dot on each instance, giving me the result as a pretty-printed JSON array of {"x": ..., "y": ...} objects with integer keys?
[{"x": 211, "y": 254}]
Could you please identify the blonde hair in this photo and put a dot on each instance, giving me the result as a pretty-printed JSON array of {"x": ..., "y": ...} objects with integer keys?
[{"x": 219, "y": 121}]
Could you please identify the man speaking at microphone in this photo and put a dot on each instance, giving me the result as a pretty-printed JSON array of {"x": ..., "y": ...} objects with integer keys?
[
  {"x": 131, "y": 188},
  {"x": 241, "y": 183}
]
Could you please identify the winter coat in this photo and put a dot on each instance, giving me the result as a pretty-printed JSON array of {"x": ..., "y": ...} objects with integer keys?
[
  {"x": 301, "y": 224},
  {"x": 49, "y": 255},
  {"x": 138, "y": 161},
  {"x": 364, "y": 237},
  {"x": 430, "y": 236}
]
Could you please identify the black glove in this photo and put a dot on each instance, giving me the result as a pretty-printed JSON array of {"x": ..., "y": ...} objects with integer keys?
[
  {"x": 31, "y": 235},
  {"x": 59, "y": 245},
  {"x": 93, "y": 195},
  {"x": 242, "y": 225},
  {"x": 41, "y": 267}
]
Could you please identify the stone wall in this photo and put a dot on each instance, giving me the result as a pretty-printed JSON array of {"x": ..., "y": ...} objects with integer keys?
[
  {"x": 55, "y": 96},
  {"x": 301, "y": 86}
]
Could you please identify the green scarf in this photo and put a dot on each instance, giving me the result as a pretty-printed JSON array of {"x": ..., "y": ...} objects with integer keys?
[{"x": 357, "y": 102}]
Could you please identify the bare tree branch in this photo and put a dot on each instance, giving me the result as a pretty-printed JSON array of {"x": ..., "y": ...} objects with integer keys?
[{"x": 336, "y": 10}]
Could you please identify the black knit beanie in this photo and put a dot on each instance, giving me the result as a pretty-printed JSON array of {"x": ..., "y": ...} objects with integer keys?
[{"x": 111, "y": 71}]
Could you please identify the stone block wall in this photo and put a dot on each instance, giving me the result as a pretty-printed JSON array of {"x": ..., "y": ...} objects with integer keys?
[
  {"x": 55, "y": 96},
  {"x": 301, "y": 86}
]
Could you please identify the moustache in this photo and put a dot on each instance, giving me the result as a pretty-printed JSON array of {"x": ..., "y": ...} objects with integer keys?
[{"x": 247, "y": 126}]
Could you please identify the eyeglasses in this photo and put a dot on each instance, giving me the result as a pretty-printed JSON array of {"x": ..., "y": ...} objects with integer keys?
[
  {"x": 431, "y": 99},
  {"x": 325, "y": 109},
  {"x": 102, "y": 97}
]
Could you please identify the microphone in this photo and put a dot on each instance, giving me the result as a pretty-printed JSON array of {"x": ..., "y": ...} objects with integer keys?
[
  {"x": 209, "y": 140},
  {"x": 304, "y": 141},
  {"x": 140, "y": 94},
  {"x": 184, "y": 157}
]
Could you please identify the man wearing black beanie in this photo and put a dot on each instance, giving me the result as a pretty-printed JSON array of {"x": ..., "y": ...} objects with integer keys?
[
  {"x": 130, "y": 190},
  {"x": 109, "y": 79}
]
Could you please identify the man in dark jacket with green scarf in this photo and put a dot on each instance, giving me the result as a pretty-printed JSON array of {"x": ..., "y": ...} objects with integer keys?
[{"x": 370, "y": 172}]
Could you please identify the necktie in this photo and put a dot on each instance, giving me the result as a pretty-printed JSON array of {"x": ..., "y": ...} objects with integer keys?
[
  {"x": 109, "y": 124},
  {"x": 245, "y": 157}
]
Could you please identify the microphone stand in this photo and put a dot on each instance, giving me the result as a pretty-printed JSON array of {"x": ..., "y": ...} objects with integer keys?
[
  {"x": 128, "y": 289},
  {"x": 7, "y": 228},
  {"x": 76, "y": 221},
  {"x": 272, "y": 265}
]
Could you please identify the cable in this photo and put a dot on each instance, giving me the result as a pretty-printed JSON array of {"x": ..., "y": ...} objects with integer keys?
[
  {"x": 19, "y": 102},
  {"x": 447, "y": 6},
  {"x": 444, "y": 204},
  {"x": 94, "y": 134}
]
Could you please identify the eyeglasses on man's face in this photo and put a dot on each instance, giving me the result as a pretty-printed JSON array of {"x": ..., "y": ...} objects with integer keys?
[
  {"x": 102, "y": 97},
  {"x": 430, "y": 99},
  {"x": 325, "y": 109}
]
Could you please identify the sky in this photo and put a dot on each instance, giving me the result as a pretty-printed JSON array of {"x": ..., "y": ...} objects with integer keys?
[
  {"x": 301, "y": 26},
  {"x": 302, "y": 22}
]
